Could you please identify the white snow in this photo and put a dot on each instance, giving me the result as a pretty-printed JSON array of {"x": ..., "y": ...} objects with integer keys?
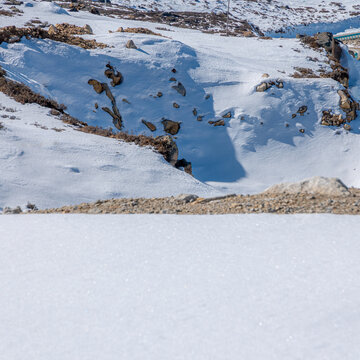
[{"x": 179, "y": 287}]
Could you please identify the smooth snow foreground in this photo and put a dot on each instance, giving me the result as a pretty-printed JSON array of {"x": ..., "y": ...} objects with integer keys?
[{"x": 179, "y": 287}]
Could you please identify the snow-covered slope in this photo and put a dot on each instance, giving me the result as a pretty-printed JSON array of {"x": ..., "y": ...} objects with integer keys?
[
  {"x": 47, "y": 163},
  {"x": 260, "y": 145},
  {"x": 267, "y": 15},
  {"x": 172, "y": 287}
]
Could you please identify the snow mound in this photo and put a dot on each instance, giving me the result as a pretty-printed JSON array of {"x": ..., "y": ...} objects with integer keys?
[
  {"x": 315, "y": 185},
  {"x": 49, "y": 7}
]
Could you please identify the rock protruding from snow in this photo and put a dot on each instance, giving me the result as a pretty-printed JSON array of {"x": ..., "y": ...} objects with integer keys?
[
  {"x": 131, "y": 45},
  {"x": 316, "y": 185}
]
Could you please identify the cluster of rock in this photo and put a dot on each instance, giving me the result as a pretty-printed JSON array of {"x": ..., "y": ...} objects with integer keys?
[
  {"x": 326, "y": 41},
  {"x": 348, "y": 105},
  {"x": 69, "y": 29},
  {"x": 317, "y": 195},
  {"x": 266, "y": 85},
  {"x": 116, "y": 79}
]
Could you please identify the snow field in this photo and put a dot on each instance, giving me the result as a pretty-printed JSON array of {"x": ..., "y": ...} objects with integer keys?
[{"x": 179, "y": 287}]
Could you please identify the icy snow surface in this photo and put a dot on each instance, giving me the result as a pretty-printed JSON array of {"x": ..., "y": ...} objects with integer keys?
[{"x": 179, "y": 287}]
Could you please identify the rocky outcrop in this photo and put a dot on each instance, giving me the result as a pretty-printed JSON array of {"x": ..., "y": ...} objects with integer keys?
[
  {"x": 98, "y": 86},
  {"x": 130, "y": 45},
  {"x": 348, "y": 105},
  {"x": 184, "y": 164},
  {"x": 149, "y": 125},
  {"x": 316, "y": 185},
  {"x": 302, "y": 110},
  {"x": 171, "y": 127},
  {"x": 330, "y": 119},
  {"x": 217, "y": 122},
  {"x": 114, "y": 75},
  {"x": 266, "y": 85}
]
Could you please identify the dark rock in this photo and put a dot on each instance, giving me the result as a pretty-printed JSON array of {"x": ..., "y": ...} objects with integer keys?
[
  {"x": 149, "y": 125},
  {"x": 171, "y": 127},
  {"x": 180, "y": 88},
  {"x": 98, "y": 86},
  {"x": 302, "y": 110},
  {"x": 217, "y": 123},
  {"x": 114, "y": 75}
]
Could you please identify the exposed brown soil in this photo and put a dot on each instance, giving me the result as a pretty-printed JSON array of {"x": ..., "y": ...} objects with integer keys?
[{"x": 233, "y": 204}]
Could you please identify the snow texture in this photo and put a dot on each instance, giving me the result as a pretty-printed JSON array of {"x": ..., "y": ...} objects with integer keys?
[{"x": 179, "y": 287}]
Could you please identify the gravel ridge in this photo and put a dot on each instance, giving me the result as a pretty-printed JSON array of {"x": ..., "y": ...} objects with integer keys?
[{"x": 231, "y": 204}]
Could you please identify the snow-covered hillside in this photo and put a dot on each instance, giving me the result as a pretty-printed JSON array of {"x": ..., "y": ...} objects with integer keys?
[
  {"x": 267, "y": 15},
  {"x": 260, "y": 144},
  {"x": 47, "y": 163},
  {"x": 179, "y": 287}
]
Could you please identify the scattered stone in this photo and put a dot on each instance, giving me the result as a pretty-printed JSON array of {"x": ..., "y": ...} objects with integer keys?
[
  {"x": 186, "y": 165},
  {"x": 172, "y": 79},
  {"x": 130, "y": 45},
  {"x": 263, "y": 87},
  {"x": 180, "y": 88},
  {"x": 149, "y": 125},
  {"x": 200, "y": 118},
  {"x": 31, "y": 207},
  {"x": 293, "y": 116},
  {"x": 98, "y": 86},
  {"x": 207, "y": 96},
  {"x": 94, "y": 10},
  {"x": 194, "y": 112},
  {"x": 265, "y": 76},
  {"x": 120, "y": 29},
  {"x": 347, "y": 127},
  {"x": 302, "y": 110},
  {"x": 126, "y": 101},
  {"x": 217, "y": 123},
  {"x": 10, "y": 211},
  {"x": 315, "y": 185},
  {"x": 171, "y": 127},
  {"x": 227, "y": 115},
  {"x": 159, "y": 94},
  {"x": 279, "y": 84},
  {"x": 117, "y": 120},
  {"x": 330, "y": 119},
  {"x": 173, "y": 71},
  {"x": 114, "y": 75},
  {"x": 302, "y": 131},
  {"x": 175, "y": 105}
]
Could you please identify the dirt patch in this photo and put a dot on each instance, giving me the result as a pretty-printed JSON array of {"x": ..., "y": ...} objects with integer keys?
[{"x": 232, "y": 204}]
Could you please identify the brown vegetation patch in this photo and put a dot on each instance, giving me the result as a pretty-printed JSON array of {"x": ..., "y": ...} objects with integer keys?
[
  {"x": 24, "y": 95},
  {"x": 14, "y": 34}
]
